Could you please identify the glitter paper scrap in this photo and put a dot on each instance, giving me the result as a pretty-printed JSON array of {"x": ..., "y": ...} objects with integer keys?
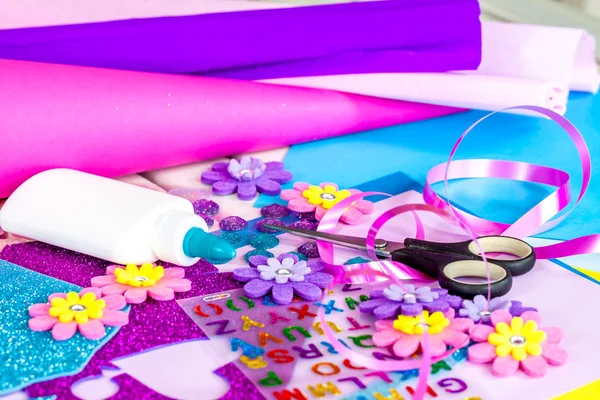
[
  {"x": 233, "y": 237},
  {"x": 206, "y": 207},
  {"x": 304, "y": 224},
  {"x": 264, "y": 241},
  {"x": 260, "y": 225},
  {"x": 233, "y": 223},
  {"x": 30, "y": 356},
  {"x": 275, "y": 211},
  {"x": 309, "y": 249},
  {"x": 257, "y": 252},
  {"x": 147, "y": 326}
]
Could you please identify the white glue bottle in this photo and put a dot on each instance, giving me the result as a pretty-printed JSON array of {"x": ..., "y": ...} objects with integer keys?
[{"x": 111, "y": 220}]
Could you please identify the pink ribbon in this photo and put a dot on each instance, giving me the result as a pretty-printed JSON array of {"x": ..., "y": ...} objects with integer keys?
[{"x": 538, "y": 219}]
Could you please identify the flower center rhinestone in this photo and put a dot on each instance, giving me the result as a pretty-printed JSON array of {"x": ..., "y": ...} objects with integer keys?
[
  {"x": 283, "y": 272},
  {"x": 517, "y": 340},
  {"x": 327, "y": 196},
  {"x": 77, "y": 307},
  {"x": 410, "y": 297},
  {"x": 245, "y": 171},
  {"x": 424, "y": 325},
  {"x": 140, "y": 278},
  {"x": 485, "y": 315}
]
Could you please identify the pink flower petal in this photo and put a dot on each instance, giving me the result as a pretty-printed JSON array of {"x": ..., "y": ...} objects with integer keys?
[
  {"x": 504, "y": 366},
  {"x": 461, "y": 324},
  {"x": 480, "y": 333},
  {"x": 500, "y": 316},
  {"x": 115, "y": 288},
  {"x": 177, "y": 284},
  {"x": 114, "y": 318},
  {"x": 103, "y": 280},
  {"x": 450, "y": 314},
  {"x": 42, "y": 323},
  {"x": 407, "y": 345},
  {"x": 174, "y": 272},
  {"x": 554, "y": 354},
  {"x": 320, "y": 213},
  {"x": 136, "y": 295},
  {"x": 301, "y": 205},
  {"x": 352, "y": 216},
  {"x": 161, "y": 293},
  {"x": 93, "y": 329},
  {"x": 532, "y": 316},
  {"x": 301, "y": 186},
  {"x": 62, "y": 331},
  {"x": 97, "y": 291},
  {"x": 481, "y": 353},
  {"x": 38, "y": 310},
  {"x": 290, "y": 194},
  {"x": 387, "y": 337},
  {"x": 455, "y": 339},
  {"x": 384, "y": 324},
  {"x": 554, "y": 335},
  {"x": 535, "y": 366},
  {"x": 110, "y": 270},
  {"x": 115, "y": 302},
  {"x": 54, "y": 295},
  {"x": 437, "y": 347},
  {"x": 364, "y": 206}
]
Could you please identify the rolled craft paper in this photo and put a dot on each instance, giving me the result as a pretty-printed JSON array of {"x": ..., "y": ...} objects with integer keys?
[
  {"x": 374, "y": 36},
  {"x": 468, "y": 91},
  {"x": 543, "y": 53},
  {"x": 114, "y": 123}
]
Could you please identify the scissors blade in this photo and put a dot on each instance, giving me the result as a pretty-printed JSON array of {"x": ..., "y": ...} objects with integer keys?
[{"x": 346, "y": 241}]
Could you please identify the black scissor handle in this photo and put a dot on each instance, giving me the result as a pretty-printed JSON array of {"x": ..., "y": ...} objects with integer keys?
[
  {"x": 524, "y": 253},
  {"x": 450, "y": 274}
]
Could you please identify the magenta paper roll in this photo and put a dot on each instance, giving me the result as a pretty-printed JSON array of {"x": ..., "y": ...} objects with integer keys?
[{"x": 114, "y": 123}]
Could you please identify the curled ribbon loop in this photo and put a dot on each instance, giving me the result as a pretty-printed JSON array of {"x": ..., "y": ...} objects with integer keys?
[{"x": 536, "y": 220}]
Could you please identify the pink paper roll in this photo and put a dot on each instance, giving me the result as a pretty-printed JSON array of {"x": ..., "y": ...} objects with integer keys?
[{"x": 114, "y": 123}]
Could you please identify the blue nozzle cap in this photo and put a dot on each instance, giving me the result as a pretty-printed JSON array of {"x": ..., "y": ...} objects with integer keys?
[{"x": 198, "y": 243}]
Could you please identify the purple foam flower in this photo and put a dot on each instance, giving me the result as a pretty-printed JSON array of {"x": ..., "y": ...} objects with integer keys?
[
  {"x": 516, "y": 308},
  {"x": 282, "y": 277},
  {"x": 479, "y": 308},
  {"x": 388, "y": 303},
  {"x": 246, "y": 177}
]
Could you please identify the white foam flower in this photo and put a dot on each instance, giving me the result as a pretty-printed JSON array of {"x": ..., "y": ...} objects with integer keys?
[{"x": 283, "y": 271}]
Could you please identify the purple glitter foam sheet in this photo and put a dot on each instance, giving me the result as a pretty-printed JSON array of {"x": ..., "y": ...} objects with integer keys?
[{"x": 151, "y": 324}]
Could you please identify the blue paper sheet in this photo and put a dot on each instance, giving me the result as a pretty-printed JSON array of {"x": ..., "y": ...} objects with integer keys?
[{"x": 410, "y": 150}]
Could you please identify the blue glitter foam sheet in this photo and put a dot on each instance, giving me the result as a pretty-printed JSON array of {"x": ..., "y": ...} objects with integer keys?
[{"x": 27, "y": 357}]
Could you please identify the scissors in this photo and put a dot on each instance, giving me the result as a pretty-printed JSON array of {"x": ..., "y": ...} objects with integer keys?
[{"x": 446, "y": 262}]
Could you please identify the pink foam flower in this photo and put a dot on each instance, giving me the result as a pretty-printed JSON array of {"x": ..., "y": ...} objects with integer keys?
[
  {"x": 308, "y": 198},
  {"x": 517, "y": 342},
  {"x": 406, "y": 334},
  {"x": 87, "y": 312},
  {"x": 136, "y": 284}
]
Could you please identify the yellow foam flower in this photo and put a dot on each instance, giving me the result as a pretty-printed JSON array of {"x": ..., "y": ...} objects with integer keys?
[
  {"x": 325, "y": 197},
  {"x": 519, "y": 339},
  {"x": 434, "y": 323},
  {"x": 81, "y": 309},
  {"x": 144, "y": 276}
]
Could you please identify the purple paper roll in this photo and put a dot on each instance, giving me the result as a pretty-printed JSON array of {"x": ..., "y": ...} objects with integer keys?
[{"x": 379, "y": 36}]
